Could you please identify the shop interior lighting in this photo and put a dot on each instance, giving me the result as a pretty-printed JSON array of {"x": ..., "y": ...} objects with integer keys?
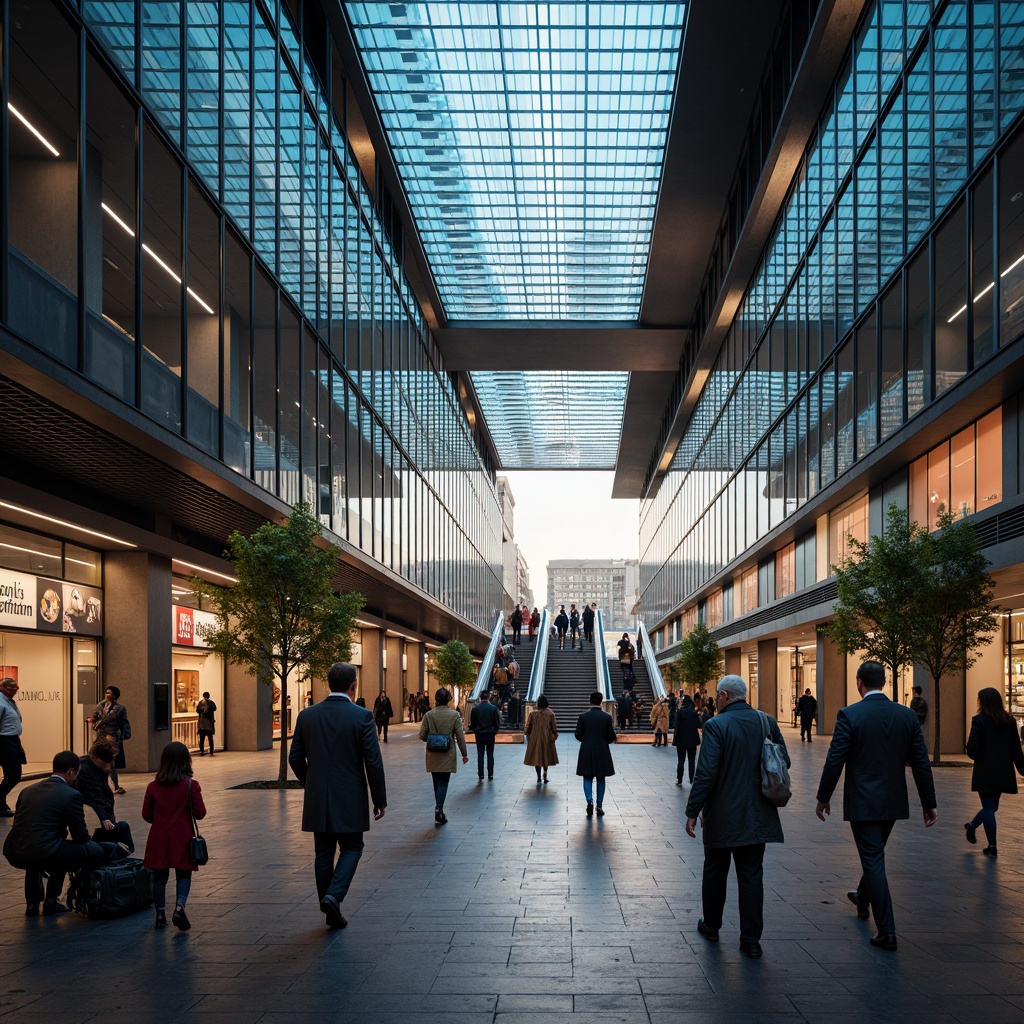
[
  {"x": 203, "y": 569},
  {"x": 47, "y": 554},
  {"x": 145, "y": 248},
  {"x": 32, "y": 128},
  {"x": 68, "y": 526},
  {"x": 984, "y": 291}
]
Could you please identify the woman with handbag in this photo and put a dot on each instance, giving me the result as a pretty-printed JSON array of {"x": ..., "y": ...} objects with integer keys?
[
  {"x": 172, "y": 803},
  {"x": 441, "y": 729},
  {"x": 110, "y": 718},
  {"x": 541, "y": 733}
]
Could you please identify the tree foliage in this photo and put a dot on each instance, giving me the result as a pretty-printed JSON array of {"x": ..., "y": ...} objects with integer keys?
[
  {"x": 453, "y": 665},
  {"x": 880, "y": 585},
  {"x": 699, "y": 658},
  {"x": 282, "y": 618}
]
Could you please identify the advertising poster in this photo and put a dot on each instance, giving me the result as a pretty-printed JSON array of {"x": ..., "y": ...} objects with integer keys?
[
  {"x": 17, "y": 600},
  {"x": 50, "y": 605},
  {"x": 192, "y": 627},
  {"x": 83, "y": 610}
]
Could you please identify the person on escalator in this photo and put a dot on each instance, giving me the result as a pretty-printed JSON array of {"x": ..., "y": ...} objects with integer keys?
[
  {"x": 574, "y": 628},
  {"x": 588, "y": 622},
  {"x": 561, "y": 624}
]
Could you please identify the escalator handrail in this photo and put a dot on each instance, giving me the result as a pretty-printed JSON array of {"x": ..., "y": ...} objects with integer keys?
[
  {"x": 650, "y": 660},
  {"x": 483, "y": 679},
  {"x": 540, "y": 659},
  {"x": 604, "y": 676}
]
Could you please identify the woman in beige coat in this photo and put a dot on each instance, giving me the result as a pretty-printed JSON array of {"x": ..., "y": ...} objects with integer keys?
[
  {"x": 442, "y": 720},
  {"x": 659, "y": 723},
  {"x": 541, "y": 733}
]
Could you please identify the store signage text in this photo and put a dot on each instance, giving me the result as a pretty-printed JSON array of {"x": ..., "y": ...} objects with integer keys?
[{"x": 192, "y": 628}]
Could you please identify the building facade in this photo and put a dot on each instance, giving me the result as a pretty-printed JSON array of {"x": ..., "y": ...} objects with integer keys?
[
  {"x": 204, "y": 319},
  {"x": 875, "y": 357},
  {"x": 613, "y": 583}
]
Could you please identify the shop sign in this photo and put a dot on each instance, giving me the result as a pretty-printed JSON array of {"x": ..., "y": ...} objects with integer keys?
[
  {"x": 192, "y": 627},
  {"x": 38, "y": 603}
]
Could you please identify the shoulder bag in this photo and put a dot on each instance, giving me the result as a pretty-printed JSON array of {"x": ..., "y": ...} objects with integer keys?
[
  {"x": 775, "y": 784},
  {"x": 438, "y": 740},
  {"x": 197, "y": 848}
]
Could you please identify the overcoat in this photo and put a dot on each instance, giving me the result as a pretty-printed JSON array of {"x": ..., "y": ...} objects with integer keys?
[
  {"x": 596, "y": 732},
  {"x": 165, "y": 807},
  {"x": 995, "y": 750},
  {"x": 447, "y": 721},
  {"x": 687, "y": 731},
  {"x": 659, "y": 717},
  {"x": 541, "y": 733}
]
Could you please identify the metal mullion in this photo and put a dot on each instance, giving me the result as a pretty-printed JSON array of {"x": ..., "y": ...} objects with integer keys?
[
  {"x": 251, "y": 417},
  {"x": 221, "y": 369},
  {"x": 80, "y": 156},
  {"x": 4, "y": 152},
  {"x": 277, "y": 389},
  {"x": 139, "y": 226}
]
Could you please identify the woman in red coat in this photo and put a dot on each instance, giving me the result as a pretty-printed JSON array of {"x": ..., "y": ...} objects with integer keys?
[{"x": 166, "y": 807}]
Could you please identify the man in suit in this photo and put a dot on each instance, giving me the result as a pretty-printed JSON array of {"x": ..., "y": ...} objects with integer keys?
[
  {"x": 875, "y": 740},
  {"x": 596, "y": 732},
  {"x": 738, "y": 821},
  {"x": 334, "y": 754},
  {"x": 484, "y": 722},
  {"x": 686, "y": 738},
  {"x": 807, "y": 711},
  {"x": 45, "y": 814}
]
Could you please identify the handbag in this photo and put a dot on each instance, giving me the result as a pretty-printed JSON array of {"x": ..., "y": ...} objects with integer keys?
[
  {"x": 775, "y": 784},
  {"x": 197, "y": 849},
  {"x": 439, "y": 741},
  {"x": 126, "y": 728}
]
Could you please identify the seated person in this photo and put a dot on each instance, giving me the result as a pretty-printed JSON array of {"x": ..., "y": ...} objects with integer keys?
[
  {"x": 93, "y": 784},
  {"x": 38, "y": 841}
]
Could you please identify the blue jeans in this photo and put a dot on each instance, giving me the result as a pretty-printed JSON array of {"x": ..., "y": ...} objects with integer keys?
[
  {"x": 440, "y": 780},
  {"x": 182, "y": 886},
  {"x": 588, "y": 790},
  {"x": 987, "y": 816},
  {"x": 330, "y": 878}
]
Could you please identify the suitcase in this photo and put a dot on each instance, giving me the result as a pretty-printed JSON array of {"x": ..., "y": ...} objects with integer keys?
[{"x": 114, "y": 890}]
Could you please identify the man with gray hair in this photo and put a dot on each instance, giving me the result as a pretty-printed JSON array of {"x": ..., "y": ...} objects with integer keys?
[{"x": 737, "y": 820}]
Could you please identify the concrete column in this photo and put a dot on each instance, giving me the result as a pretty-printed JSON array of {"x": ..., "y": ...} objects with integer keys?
[
  {"x": 768, "y": 676},
  {"x": 371, "y": 673},
  {"x": 415, "y": 656},
  {"x": 137, "y": 644},
  {"x": 831, "y": 683},
  {"x": 248, "y": 712},
  {"x": 954, "y": 709},
  {"x": 732, "y": 661},
  {"x": 392, "y": 675}
]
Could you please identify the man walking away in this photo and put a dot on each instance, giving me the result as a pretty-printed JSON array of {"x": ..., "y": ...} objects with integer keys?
[
  {"x": 686, "y": 738},
  {"x": 807, "y": 711},
  {"x": 335, "y": 754},
  {"x": 484, "y": 721},
  {"x": 919, "y": 706},
  {"x": 596, "y": 732},
  {"x": 383, "y": 712},
  {"x": 561, "y": 624},
  {"x": 738, "y": 821},
  {"x": 516, "y": 622},
  {"x": 574, "y": 628},
  {"x": 588, "y": 621},
  {"x": 206, "y": 710},
  {"x": 875, "y": 739}
]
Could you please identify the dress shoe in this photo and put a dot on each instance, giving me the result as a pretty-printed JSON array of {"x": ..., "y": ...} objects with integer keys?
[
  {"x": 490, "y": 778},
  {"x": 752, "y": 949},
  {"x": 440, "y": 818},
  {"x": 990, "y": 851},
  {"x": 120, "y": 791},
  {"x": 32, "y": 910},
  {"x": 590, "y": 809},
  {"x": 972, "y": 836},
  {"x": 180, "y": 920},
  {"x": 711, "y": 934},
  {"x": 679, "y": 784},
  {"x": 479, "y": 778},
  {"x": 854, "y": 897},
  {"x": 600, "y": 812},
  {"x": 332, "y": 911},
  {"x": 884, "y": 940},
  {"x": 202, "y": 753},
  {"x": 51, "y": 907},
  {"x": 161, "y": 919}
]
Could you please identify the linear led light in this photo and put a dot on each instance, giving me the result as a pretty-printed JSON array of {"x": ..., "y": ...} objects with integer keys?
[
  {"x": 984, "y": 291},
  {"x": 146, "y": 249},
  {"x": 63, "y": 522},
  {"x": 202, "y": 568},
  {"x": 32, "y": 128},
  {"x": 46, "y": 554}
]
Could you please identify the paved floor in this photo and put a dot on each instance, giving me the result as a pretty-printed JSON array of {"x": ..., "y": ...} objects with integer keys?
[{"x": 523, "y": 909}]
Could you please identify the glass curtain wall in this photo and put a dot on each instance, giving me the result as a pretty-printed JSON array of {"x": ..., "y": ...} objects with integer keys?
[
  {"x": 895, "y": 195},
  {"x": 186, "y": 226}
]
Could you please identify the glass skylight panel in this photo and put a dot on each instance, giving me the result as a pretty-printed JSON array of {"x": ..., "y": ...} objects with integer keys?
[
  {"x": 553, "y": 419},
  {"x": 530, "y": 138}
]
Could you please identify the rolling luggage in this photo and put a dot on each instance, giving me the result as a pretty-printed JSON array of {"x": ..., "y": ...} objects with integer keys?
[{"x": 114, "y": 890}]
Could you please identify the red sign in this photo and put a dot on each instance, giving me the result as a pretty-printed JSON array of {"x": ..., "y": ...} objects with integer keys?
[{"x": 184, "y": 628}]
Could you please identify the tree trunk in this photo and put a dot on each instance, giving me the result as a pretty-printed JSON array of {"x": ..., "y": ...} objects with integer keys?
[{"x": 282, "y": 773}]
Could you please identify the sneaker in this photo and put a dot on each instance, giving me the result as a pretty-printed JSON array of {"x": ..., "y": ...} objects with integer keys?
[{"x": 972, "y": 836}]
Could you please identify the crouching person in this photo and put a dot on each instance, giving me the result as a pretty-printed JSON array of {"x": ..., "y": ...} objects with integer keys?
[
  {"x": 94, "y": 785},
  {"x": 46, "y": 813}
]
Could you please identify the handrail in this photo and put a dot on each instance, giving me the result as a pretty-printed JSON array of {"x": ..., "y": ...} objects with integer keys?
[
  {"x": 540, "y": 659},
  {"x": 604, "y": 677},
  {"x": 483, "y": 679},
  {"x": 650, "y": 659}
]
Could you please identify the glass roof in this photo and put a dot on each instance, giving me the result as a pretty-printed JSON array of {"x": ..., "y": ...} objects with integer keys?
[
  {"x": 530, "y": 138},
  {"x": 553, "y": 419}
]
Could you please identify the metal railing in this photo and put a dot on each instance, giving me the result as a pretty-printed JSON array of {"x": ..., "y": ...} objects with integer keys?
[
  {"x": 483, "y": 679},
  {"x": 604, "y": 677},
  {"x": 650, "y": 659},
  {"x": 535, "y": 687}
]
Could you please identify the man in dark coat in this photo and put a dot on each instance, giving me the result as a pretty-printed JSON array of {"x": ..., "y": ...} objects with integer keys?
[
  {"x": 686, "y": 738},
  {"x": 484, "y": 722},
  {"x": 516, "y": 622},
  {"x": 596, "y": 732},
  {"x": 46, "y": 813},
  {"x": 383, "y": 712},
  {"x": 588, "y": 622},
  {"x": 737, "y": 819},
  {"x": 807, "y": 711},
  {"x": 334, "y": 755},
  {"x": 561, "y": 624},
  {"x": 875, "y": 740},
  {"x": 624, "y": 706}
]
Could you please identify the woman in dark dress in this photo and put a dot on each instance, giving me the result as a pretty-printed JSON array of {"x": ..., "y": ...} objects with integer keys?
[{"x": 994, "y": 747}]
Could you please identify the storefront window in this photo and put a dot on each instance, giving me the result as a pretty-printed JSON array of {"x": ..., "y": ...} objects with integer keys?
[
  {"x": 82, "y": 565},
  {"x": 990, "y": 459},
  {"x": 713, "y": 609},
  {"x": 938, "y": 484},
  {"x": 29, "y": 552},
  {"x": 785, "y": 571},
  {"x": 851, "y": 520},
  {"x": 961, "y": 478}
]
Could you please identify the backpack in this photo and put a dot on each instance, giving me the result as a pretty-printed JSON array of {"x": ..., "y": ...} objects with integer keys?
[{"x": 775, "y": 784}]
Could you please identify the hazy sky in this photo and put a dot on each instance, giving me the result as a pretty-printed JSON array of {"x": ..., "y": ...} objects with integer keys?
[{"x": 570, "y": 515}]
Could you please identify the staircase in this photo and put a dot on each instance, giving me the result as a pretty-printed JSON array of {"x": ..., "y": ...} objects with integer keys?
[
  {"x": 524, "y": 656},
  {"x": 569, "y": 680},
  {"x": 642, "y": 689}
]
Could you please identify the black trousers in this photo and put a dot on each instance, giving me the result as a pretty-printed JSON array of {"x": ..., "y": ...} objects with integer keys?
[
  {"x": 749, "y": 861},
  {"x": 688, "y": 754},
  {"x": 70, "y": 857},
  {"x": 805, "y": 727},
  {"x": 10, "y": 763},
  {"x": 484, "y": 743},
  {"x": 873, "y": 888}
]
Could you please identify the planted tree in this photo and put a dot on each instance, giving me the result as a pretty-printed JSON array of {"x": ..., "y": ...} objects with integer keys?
[
  {"x": 282, "y": 618},
  {"x": 954, "y": 615},
  {"x": 880, "y": 585},
  {"x": 453, "y": 665},
  {"x": 699, "y": 658}
]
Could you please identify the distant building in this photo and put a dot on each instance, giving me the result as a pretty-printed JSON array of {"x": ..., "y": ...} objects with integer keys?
[{"x": 613, "y": 583}]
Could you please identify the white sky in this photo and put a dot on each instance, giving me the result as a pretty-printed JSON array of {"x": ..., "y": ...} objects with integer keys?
[{"x": 570, "y": 514}]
